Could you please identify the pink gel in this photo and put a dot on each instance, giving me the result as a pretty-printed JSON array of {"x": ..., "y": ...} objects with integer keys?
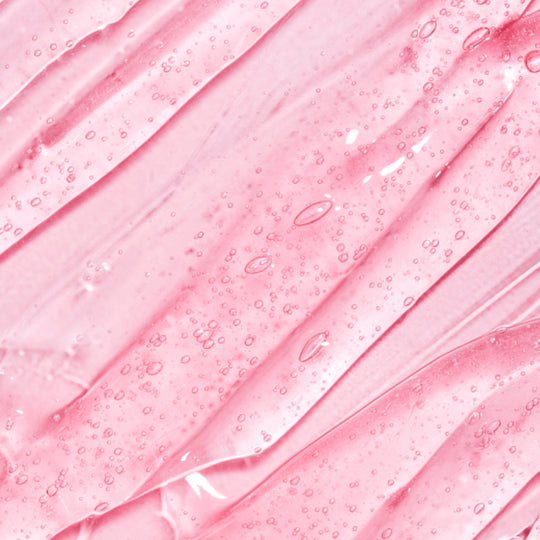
[{"x": 226, "y": 226}]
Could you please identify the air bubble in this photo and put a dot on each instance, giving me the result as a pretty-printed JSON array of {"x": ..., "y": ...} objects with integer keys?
[
  {"x": 101, "y": 507},
  {"x": 532, "y": 61},
  {"x": 479, "y": 507},
  {"x": 475, "y": 38},
  {"x": 313, "y": 346},
  {"x": 428, "y": 29},
  {"x": 154, "y": 368},
  {"x": 258, "y": 264},
  {"x": 313, "y": 213}
]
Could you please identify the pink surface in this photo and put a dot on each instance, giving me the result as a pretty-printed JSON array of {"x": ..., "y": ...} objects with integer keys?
[{"x": 226, "y": 227}]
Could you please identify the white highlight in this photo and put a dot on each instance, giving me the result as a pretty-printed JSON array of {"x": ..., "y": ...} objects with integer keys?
[
  {"x": 88, "y": 286},
  {"x": 351, "y": 136},
  {"x": 418, "y": 146},
  {"x": 393, "y": 166},
  {"x": 199, "y": 483}
]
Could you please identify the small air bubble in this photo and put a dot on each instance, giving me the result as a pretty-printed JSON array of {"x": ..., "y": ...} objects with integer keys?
[
  {"x": 312, "y": 213},
  {"x": 258, "y": 264},
  {"x": 532, "y": 61},
  {"x": 428, "y": 29},
  {"x": 475, "y": 38},
  {"x": 479, "y": 508},
  {"x": 101, "y": 507},
  {"x": 154, "y": 368},
  {"x": 313, "y": 346}
]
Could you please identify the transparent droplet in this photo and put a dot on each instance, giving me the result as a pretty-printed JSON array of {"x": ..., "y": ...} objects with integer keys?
[
  {"x": 313, "y": 213},
  {"x": 258, "y": 264},
  {"x": 532, "y": 61},
  {"x": 428, "y": 29},
  {"x": 313, "y": 346},
  {"x": 475, "y": 38}
]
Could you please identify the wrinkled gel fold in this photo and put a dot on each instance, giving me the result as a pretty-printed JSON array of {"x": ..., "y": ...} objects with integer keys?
[{"x": 216, "y": 216}]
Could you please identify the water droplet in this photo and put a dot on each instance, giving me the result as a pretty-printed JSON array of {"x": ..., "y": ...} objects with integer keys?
[
  {"x": 313, "y": 213},
  {"x": 258, "y": 264},
  {"x": 428, "y": 29},
  {"x": 475, "y": 38},
  {"x": 313, "y": 345},
  {"x": 387, "y": 533},
  {"x": 532, "y": 61}
]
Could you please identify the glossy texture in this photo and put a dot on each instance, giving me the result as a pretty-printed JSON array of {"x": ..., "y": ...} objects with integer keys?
[{"x": 226, "y": 226}]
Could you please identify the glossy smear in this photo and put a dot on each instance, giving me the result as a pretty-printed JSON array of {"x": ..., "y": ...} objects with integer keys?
[{"x": 226, "y": 226}]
